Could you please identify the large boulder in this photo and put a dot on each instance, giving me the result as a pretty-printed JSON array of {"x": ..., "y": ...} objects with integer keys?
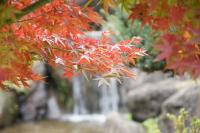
[
  {"x": 143, "y": 78},
  {"x": 188, "y": 98},
  {"x": 8, "y": 108},
  {"x": 34, "y": 105},
  {"x": 116, "y": 123},
  {"x": 145, "y": 101}
]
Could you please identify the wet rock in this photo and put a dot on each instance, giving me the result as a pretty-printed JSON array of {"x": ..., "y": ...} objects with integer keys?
[
  {"x": 188, "y": 98},
  {"x": 8, "y": 108},
  {"x": 145, "y": 101},
  {"x": 143, "y": 78},
  {"x": 92, "y": 96},
  {"x": 115, "y": 123},
  {"x": 34, "y": 106}
]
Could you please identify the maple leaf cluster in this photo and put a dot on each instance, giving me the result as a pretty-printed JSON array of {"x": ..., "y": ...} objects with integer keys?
[
  {"x": 54, "y": 32},
  {"x": 178, "y": 22},
  {"x": 177, "y": 18}
]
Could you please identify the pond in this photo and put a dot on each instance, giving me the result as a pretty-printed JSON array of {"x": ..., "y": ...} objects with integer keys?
[{"x": 49, "y": 126}]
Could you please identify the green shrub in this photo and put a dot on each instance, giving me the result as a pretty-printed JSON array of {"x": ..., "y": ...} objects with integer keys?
[
  {"x": 195, "y": 126},
  {"x": 179, "y": 124},
  {"x": 125, "y": 29},
  {"x": 179, "y": 121},
  {"x": 151, "y": 126}
]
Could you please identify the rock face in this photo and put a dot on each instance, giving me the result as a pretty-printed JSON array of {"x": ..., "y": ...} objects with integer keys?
[
  {"x": 143, "y": 78},
  {"x": 115, "y": 123},
  {"x": 8, "y": 108},
  {"x": 187, "y": 98},
  {"x": 145, "y": 101},
  {"x": 34, "y": 105},
  {"x": 157, "y": 94}
]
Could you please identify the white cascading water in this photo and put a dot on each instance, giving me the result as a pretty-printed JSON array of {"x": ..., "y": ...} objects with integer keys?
[
  {"x": 79, "y": 103},
  {"x": 109, "y": 100},
  {"x": 109, "y": 97},
  {"x": 115, "y": 95},
  {"x": 54, "y": 110}
]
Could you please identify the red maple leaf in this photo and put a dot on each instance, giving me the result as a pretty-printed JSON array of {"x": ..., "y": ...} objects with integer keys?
[{"x": 140, "y": 12}]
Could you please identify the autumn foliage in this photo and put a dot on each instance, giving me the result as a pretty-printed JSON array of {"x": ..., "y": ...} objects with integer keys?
[
  {"x": 178, "y": 21},
  {"x": 54, "y": 32}
]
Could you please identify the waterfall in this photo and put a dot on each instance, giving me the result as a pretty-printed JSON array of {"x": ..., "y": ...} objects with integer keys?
[
  {"x": 114, "y": 95},
  {"x": 54, "y": 110},
  {"x": 79, "y": 103},
  {"x": 109, "y": 100}
]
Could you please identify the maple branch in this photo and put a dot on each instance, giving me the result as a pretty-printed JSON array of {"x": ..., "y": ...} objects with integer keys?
[
  {"x": 25, "y": 11},
  {"x": 31, "y": 8},
  {"x": 2, "y": 2}
]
